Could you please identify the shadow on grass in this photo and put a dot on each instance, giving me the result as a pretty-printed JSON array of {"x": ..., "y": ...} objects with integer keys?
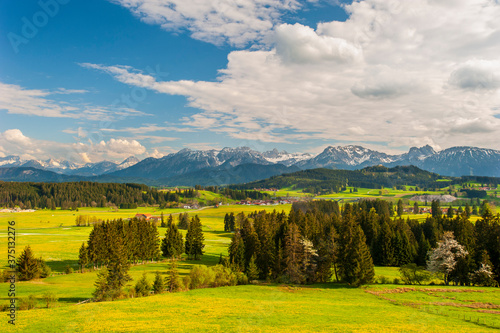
[
  {"x": 329, "y": 285},
  {"x": 221, "y": 233},
  {"x": 71, "y": 299},
  {"x": 59, "y": 266}
]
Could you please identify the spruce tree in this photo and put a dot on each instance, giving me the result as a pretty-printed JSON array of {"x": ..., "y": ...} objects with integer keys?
[
  {"x": 172, "y": 245},
  {"x": 294, "y": 252},
  {"x": 118, "y": 267},
  {"x": 449, "y": 214},
  {"x": 232, "y": 222},
  {"x": 400, "y": 209},
  {"x": 101, "y": 285},
  {"x": 355, "y": 263},
  {"x": 252, "y": 270},
  {"x": 174, "y": 283},
  {"x": 403, "y": 253},
  {"x": 162, "y": 218},
  {"x": 237, "y": 252},
  {"x": 436, "y": 209},
  {"x": 142, "y": 287},
  {"x": 195, "y": 239},
  {"x": 27, "y": 265},
  {"x": 83, "y": 258},
  {"x": 226, "y": 223},
  {"x": 158, "y": 284},
  {"x": 386, "y": 246}
]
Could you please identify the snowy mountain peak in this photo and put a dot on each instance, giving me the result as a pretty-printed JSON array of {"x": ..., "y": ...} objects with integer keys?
[{"x": 128, "y": 162}]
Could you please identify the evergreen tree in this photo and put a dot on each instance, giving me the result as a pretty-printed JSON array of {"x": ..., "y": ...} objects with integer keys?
[
  {"x": 226, "y": 223},
  {"x": 294, "y": 254},
  {"x": 237, "y": 251},
  {"x": 195, "y": 239},
  {"x": 183, "y": 221},
  {"x": 142, "y": 287},
  {"x": 355, "y": 263},
  {"x": 172, "y": 246},
  {"x": 158, "y": 284},
  {"x": 416, "y": 210},
  {"x": 27, "y": 265},
  {"x": 174, "y": 283},
  {"x": 162, "y": 224},
  {"x": 118, "y": 266},
  {"x": 467, "y": 210},
  {"x": 101, "y": 285},
  {"x": 436, "y": 209},
  {"x": 402, "y": 248},
  {"x": 386, "y": 246},
  {"x": 449, "y": 214},
  {"x": 83, "y": 258},
  {"x": 232, "y": 222},
  {"x": 400, "y": 209},
  {"x": 252, "y": 270}
]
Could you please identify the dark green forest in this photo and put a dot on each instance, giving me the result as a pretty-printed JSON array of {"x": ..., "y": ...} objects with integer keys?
[
  {"x": 89, "y": 194},
  {"x": 376, "y": 177},
  {"x": 316, "y": 236}
]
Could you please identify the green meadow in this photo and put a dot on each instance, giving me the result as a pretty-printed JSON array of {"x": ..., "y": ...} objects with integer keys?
[
  {"x": 252, "y": 308},
  {"x": 279, "y": 308}
]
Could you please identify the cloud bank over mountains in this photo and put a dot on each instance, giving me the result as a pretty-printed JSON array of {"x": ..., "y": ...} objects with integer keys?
[
  {"x": 400, "y": 73},
  {"x": 393, "y": 75}
]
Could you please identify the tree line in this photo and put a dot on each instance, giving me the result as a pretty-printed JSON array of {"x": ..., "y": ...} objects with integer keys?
[
  {"x": 375, "y": 177},
  {"x": 319, "y": 241},
  {"x": 135, "y": 241},
  {"x": 173, "y": 245},
  {"x": 301, "y": 248},
  {"x": 234, "y": 194},
  {"x": 73, "y": 195}
]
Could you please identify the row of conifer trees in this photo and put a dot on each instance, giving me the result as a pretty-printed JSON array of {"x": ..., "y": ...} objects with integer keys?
[{"x": 319, "y": 240}]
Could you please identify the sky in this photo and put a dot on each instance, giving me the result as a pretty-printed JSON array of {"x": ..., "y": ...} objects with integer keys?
[{"x": 97, "y": 80}]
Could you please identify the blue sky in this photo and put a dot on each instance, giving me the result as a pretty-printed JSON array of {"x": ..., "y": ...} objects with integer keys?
[{"x": 94, "y": 80}]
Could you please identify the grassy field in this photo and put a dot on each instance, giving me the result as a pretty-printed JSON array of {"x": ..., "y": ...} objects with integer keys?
[
  {"x": 288, "y": 192},
  {"x": 279, "y": 308},
  {"x": 385, "y": 193},
  {"x": 53, "y": 236}
]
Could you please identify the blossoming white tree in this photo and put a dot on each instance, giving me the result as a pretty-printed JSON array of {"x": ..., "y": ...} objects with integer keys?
[{"x": 443, "y": 259}]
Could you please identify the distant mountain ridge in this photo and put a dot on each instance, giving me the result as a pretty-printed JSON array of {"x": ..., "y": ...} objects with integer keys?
[
  {"x": 68, "y": 168},
  {"x": 188, "y": 165}
]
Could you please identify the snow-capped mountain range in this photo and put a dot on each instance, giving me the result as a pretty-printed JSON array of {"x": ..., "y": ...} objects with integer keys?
[
  {"x": 68, "y": 168},
  {"x": 456, "y": 161}
]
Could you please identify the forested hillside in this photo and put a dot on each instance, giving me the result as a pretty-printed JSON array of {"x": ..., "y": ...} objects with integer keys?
[{"x": 376, "y": 177}]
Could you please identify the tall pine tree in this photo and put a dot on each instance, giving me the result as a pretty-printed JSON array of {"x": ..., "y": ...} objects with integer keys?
[
  {"x": 195, "y": 239},
  {"x": 355, "y": 263}
]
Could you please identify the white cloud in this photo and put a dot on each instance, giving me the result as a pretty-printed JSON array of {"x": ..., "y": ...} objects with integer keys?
[
  {"x": 477, "y": 74},
  {"x": 149, "y": 128},
  {"x": 301, "y": 44},
  {"x": 35, "y": 102},
  {"x": 65, "y": 91},
  {"x": 15, "y": 142},
  {"x": 216, "y": 21},
  {"x": 156, "y": 154},
  {"x": 85, "y": 158},
  {"x": 473, "y": 126},
  {"x": 202, "y": 146},
  {"x": 386, "y": 71},
  {"x": 15, "y": 136},
  {"x": 120, "y": 147}
]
